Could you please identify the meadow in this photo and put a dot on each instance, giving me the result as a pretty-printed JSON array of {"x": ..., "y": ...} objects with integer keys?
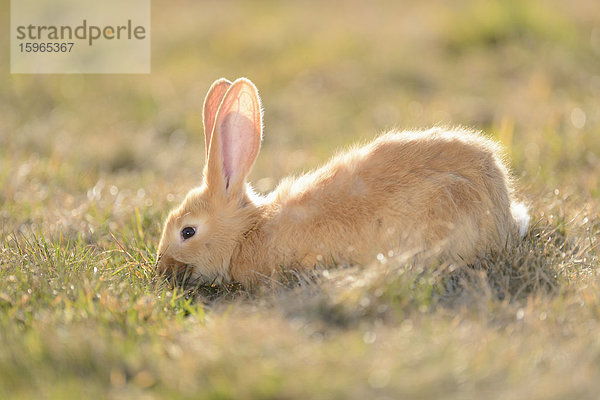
[{"x": 90, "y": 165}]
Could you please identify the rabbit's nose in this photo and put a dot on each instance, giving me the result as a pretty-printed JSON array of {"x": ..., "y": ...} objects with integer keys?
[{"x": 168, "y": 267}]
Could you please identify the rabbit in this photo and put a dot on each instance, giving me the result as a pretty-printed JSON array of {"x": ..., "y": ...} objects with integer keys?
[{"x": 439, "y": 192}]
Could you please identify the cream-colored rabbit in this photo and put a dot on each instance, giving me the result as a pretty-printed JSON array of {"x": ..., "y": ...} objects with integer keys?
[{"x": 442, "y": 193}]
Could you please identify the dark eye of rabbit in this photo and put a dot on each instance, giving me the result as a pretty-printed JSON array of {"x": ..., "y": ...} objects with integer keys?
[{"x": 187, "y": 232}]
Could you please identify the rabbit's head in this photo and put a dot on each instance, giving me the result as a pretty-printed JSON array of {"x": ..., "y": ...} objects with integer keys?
[{"x": 201, "y": 235}]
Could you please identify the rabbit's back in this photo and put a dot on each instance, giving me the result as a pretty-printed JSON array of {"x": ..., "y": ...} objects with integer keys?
[{"x": 414, "y": 193}]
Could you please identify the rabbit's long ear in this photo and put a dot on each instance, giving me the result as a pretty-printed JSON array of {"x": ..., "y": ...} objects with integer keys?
[
  {"x": 235, "y": 141},
  {"x": 211, "y": 106}
]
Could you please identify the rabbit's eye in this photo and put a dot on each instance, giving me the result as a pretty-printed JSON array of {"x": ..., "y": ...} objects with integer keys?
[{"x": 188, "y": 232}]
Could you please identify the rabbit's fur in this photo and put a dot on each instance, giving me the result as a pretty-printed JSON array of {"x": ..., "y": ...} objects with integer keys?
[{"x": 437, "y": 193}]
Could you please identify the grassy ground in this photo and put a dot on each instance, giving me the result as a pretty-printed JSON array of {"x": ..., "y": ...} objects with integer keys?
[{"x": 90, "y": 165}]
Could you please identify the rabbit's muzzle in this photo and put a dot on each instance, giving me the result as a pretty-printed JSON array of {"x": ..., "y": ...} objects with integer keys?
[{"x": 171, "y": 269}]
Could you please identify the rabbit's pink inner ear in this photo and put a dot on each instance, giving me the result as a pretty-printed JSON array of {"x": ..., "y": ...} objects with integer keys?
[
  {"x": 239, "y": 124},
  {"x": 213, "y": 100}
]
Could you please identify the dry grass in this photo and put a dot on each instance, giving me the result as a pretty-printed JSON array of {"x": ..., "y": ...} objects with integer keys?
[{"x": 90, "y": 165}]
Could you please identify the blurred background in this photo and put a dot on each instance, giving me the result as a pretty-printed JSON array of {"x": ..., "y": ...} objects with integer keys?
[{"x": 80, "y": 153}]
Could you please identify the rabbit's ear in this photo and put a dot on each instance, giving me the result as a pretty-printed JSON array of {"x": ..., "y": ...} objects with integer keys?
[
  {"x": 211, "y": 106},
  {"x": 236, "y": 139}
]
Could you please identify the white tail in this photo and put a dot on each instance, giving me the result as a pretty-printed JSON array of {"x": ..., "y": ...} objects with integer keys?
[{"x": 521, "y": 216}]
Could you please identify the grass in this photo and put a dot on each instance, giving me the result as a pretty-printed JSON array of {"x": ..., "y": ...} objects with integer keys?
[{"x": 91, "y": 164}]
